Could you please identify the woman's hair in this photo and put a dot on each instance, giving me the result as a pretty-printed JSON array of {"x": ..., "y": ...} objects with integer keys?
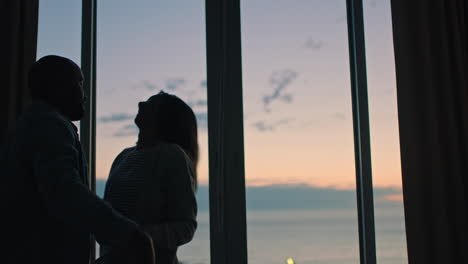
[{"x": 165, "y": 117}]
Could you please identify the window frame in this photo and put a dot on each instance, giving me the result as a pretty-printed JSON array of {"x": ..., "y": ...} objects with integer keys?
[
  {"x": 362, "y": 144},
  {"x": 228, "y": 235},
  {"x": 88, "y": 67},
  {"x": 228, "y": 230}
]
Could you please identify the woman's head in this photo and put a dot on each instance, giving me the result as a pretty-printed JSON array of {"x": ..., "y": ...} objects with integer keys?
[{"x": 165, "y": 117}]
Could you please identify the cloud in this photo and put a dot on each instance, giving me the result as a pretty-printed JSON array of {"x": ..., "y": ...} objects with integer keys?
[
  {"x": 285, "y": 121},
  {"x": 132, "y": 129},
  {"x": 313, "y": 44},
  {"x": 198, "y": 103},
  {"x": 175, "y": 84},
  {"x": 202, "y": 102},
  {"x": 263, "y": 126},
  {"x": 116, "y": 117},
  {"x": 150, "y": 86},
  {"x": 201, "y": 116},
  {"x": 279, "y": 81},
  {"x": 127, "y": 130},
  {"x": 203, "y": 83},
  {"x": 287, "y": 98},
  {"x": 298, "y": 196},
  {"x": 309, "y": 197},
  {"x": 202, "y": 120},
  {"x": 339, "y": 116}
]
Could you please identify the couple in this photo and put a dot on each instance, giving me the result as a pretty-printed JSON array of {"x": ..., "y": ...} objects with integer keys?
[{"x": 149, "y": 208}]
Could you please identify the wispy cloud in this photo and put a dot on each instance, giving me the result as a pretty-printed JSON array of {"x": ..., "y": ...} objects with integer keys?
[
  {"x": 116, "y": 117},
  {"x": 339, "y": 116},
  {"x": 197, "y": 103},
  {"x": 264, "y": 126},
  {"x": 314, "y": 44},
  {"x": 203, "y": 83},
  {"x": 132, "y": 129},
  {"x": 149, "y": 85},
  {"x": 175, "y": 84},
  {"x": 127, "y": 130},
  {"x": 297, "y": 196},
  {"x": 202, "y": 120},
  {"x": 279, "y": 81}
]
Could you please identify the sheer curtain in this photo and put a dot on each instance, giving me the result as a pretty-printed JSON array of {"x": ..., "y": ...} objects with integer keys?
[
  {"x": 18, "y": 24},
  {"x": 430, "y": 40}
]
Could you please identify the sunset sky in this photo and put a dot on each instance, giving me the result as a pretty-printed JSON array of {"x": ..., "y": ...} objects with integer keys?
[{"x": 297, "y": 98}]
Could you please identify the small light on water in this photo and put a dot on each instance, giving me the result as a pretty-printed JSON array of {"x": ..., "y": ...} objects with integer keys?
[{"x": 290, "y": 261}]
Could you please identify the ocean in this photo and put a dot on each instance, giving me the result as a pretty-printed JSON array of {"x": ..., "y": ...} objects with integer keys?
[
  {"x": 308, "y": 224},
  {"x": 307, "y": 236}
]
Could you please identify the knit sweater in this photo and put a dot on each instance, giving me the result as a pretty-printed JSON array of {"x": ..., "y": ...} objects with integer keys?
[{"x": 155, "y": 188}]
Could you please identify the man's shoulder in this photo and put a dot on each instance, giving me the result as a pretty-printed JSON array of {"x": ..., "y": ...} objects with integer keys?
[
  {"x": 39, "y": 119},
  {"x": 41, "y": 110}
]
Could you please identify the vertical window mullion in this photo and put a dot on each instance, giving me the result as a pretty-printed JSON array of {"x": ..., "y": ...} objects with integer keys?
[
  {"x": 225, "y": 132},
  {"x": 92, "y": 92},
  {"x": 88, "y": 66},
  {"x": 365, "y": 203}
]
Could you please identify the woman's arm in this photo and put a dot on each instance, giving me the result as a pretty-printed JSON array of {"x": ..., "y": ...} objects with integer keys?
[{"x": 176, "y": 170}]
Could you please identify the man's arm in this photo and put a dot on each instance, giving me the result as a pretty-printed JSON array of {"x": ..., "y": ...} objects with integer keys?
[{"x": 55, "y": 165}]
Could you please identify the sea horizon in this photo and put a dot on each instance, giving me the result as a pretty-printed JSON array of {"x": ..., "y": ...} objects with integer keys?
[{"x": 311, "y": 225}]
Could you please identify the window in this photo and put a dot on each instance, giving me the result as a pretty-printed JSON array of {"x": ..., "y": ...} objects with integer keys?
[
  {"x": 141, "y": 49},
  {"x": 300, "y": 175},
  {"x": 59, "y": 30},
  {"x": 299, "y": 113},
  {"x": 388, "y": 197}
]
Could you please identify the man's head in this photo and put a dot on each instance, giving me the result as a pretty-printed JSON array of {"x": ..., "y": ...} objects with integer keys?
[{"x": 58, "y": 82}]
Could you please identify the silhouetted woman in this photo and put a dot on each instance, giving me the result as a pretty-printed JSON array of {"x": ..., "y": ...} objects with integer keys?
[{"x": 154, "y": 182}]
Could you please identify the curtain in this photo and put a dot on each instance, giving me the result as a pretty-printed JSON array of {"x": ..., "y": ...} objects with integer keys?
[
  {"x": 431, "y": 60},
  {"x": 18, "y": 24}
]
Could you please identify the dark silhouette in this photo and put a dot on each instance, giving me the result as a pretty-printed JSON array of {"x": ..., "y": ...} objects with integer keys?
[
  {"x": 50, "y": 212},
  {"x": 154, "y": 182}
]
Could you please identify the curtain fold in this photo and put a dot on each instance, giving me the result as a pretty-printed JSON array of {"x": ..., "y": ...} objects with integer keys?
[
  {"x": 18, "y": 24},
  {"x": 431, "y": 59}
]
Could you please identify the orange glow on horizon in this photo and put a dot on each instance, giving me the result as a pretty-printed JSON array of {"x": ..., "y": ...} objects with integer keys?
[{"x": 394, "y": 197}]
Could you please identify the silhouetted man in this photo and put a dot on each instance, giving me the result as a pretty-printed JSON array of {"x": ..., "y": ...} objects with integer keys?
[{"x": 50, "y": 212}]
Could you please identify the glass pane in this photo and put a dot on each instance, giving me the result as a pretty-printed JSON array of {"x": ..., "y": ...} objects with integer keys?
[
  {"x": 389, "y": 214},
  {"x": 59, "y": 30},
  {"x": 300, "y": 171},
  {"x": 143, "y": 48}
]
